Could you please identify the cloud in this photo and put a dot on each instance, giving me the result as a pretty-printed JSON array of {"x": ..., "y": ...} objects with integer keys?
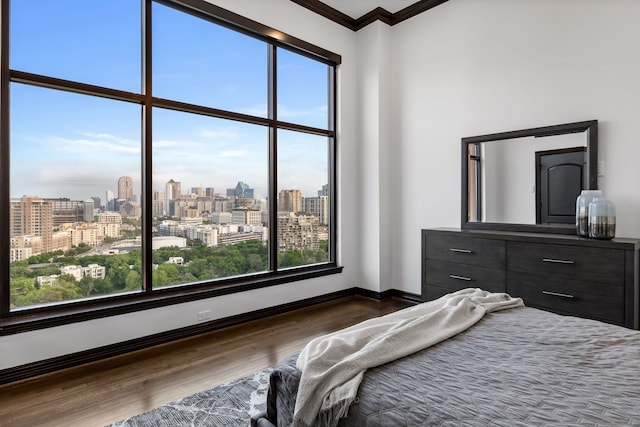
[
  {"x": 228, "y": 134},
  {"x": 176, "y": 143},
  {"x": 101, "y": 142},
  {"x": 287, "y": 113},
  {"x": 258, "y": 110},
  {"x": 232, "y": 154}
]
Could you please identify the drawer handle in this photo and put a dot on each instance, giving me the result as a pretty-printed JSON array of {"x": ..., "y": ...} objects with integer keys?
[
  {"x": 557, "y": 261},
  {"x": 461, "y": 251},
  {"x": 557, "y": 294},
  {"x": 453, "y": 276}
]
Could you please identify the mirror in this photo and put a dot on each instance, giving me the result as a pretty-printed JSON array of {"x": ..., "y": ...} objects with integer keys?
[{"x": 528, "y": 180}]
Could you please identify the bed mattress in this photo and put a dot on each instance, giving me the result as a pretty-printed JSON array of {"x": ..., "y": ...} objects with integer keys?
[{"x": 518, "y": 367}]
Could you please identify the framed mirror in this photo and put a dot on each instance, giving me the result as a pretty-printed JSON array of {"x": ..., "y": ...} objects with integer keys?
[{"x": 529, "y": 179}]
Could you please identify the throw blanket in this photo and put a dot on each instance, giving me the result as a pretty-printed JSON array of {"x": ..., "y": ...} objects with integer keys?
[{"x": 333, "y": 365}]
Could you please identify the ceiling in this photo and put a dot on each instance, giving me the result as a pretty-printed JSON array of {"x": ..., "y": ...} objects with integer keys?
[{"x": 357, "y": 8}]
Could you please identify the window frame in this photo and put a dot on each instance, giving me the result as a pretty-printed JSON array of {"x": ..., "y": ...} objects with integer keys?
[{"x": 65, "y": 312}]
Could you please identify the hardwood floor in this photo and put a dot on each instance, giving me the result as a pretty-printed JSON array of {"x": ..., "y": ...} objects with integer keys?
[{"x": 103, "y": 392}]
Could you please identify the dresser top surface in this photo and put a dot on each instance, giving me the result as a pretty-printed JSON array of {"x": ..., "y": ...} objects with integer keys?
[{"x": 619, "y": 243}]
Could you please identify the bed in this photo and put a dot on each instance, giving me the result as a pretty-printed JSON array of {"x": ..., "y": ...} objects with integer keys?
[{"x": 516, "y": 367}]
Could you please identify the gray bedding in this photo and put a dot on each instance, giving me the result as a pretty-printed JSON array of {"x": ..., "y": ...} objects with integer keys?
[{"x": 519, "y": 367}]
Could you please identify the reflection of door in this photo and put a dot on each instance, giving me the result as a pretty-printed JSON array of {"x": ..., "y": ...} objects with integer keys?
[{"x": 560, "y": 175}]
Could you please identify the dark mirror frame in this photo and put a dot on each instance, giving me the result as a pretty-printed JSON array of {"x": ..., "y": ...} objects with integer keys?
[{"x": 591, "y": 129}]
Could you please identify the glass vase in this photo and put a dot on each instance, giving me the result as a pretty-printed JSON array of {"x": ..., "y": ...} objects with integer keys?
[
  {"x": 602, "y": 219},
  {"x": 582, "y": 210}
]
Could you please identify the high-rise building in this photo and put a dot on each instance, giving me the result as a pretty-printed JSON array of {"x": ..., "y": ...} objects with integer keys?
[
  {"x": 243, "y": 190},
  {"x": 32, "y": 216},
  {"x": 71, "y": 211},
  {"x": 297, "y": 231},
  {"x": 324, "y": 191},
  {"x": 96, "y": 202},
  {"x": 172, "y": 192},
  {"x": 210, "y": 192},
  {"x": 130, "y": 210},
  {"x": 109, "y": 202},
  {"x": 317, "y": 206},
  {"x": 290, "y": 201},
  {"x": 88, "y": 210},
  {"x": 158, "y": 203},
  {"x": 246, "y": 216},
  {"x": 125, "y": 188},
  {"x": 197, "y": 191}
]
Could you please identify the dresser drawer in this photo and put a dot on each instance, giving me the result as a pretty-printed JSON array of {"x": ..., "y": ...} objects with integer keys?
[
  {"x": 574, "y": 297},
  {"x": 454, "y": 276},
  {"x": 466, "y": 250},
  {"x": 600, "y": 265}
]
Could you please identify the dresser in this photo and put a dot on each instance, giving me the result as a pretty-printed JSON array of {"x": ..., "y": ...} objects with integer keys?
[{"x": 596, "y": 279}]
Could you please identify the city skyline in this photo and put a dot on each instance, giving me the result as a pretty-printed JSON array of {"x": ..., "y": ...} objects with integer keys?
[{"x": 186, "y": 191}]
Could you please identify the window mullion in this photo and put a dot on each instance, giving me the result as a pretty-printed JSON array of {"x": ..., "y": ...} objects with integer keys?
[
  {"x": 333, "y": 159},
  {"x": 146, "y": 149},
  {"x": 5, "y": 295},
  {"x": 273, "y": 158}
]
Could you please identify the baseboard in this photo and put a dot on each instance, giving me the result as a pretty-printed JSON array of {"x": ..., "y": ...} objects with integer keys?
[
  {"x": 389, "y": 293},
  {"x": 47, "y": 366}
]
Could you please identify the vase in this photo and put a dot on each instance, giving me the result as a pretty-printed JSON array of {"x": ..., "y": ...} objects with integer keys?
[
  {"x": 582, "y": 210},
  {"x": 602, "y": 218}
]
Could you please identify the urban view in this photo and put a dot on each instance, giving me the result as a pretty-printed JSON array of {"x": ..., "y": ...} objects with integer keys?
[{"x": 64, "y": 249}]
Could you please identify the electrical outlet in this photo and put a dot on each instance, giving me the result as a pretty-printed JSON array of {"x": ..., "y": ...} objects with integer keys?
[
  {"x": 204, "y": 315},
  {"x": 600, "y": 171}
]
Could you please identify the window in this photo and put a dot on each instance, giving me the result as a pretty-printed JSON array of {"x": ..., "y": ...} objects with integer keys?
[{"x": 156, "y": 150}]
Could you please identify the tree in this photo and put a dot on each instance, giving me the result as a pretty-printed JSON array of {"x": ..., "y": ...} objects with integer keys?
[
  {"x": 133, "y": 281},
  {"x": 255, "y": 264}
]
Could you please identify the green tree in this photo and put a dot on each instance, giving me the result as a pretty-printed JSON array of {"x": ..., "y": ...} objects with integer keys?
[
  {"x": 255, "y": 263},
  {"x": 133, "y": 281}
]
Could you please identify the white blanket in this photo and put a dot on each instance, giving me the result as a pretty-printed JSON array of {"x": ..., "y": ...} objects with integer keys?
[{"x": 333, "y": 365}]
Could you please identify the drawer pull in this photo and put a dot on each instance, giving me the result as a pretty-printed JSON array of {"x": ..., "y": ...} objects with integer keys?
[
  {"x": 557, "y": 294},
  {"x": 461, "y": 251},
  {"x": 557, "y": 261},
  {"x": 453, "y": 276}
]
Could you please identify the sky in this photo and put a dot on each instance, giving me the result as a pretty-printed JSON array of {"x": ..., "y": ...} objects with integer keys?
[{"x": 77, "y": 146}]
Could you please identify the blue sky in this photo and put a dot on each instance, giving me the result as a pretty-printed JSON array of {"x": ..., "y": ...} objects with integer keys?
[{"x": 69, "y": 145}]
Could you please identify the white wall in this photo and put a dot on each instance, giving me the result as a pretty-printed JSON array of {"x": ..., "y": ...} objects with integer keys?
[
  {"x": 471, "y": 67},
  {"x": 292, "y": 19},
  {"x": 374, "y": 177}
]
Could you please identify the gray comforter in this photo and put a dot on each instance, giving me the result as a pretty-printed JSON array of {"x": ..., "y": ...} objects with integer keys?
[{"x": 520, "y": 367}]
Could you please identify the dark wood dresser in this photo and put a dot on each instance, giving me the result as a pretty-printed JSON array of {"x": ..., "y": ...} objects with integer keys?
[{"x": 565, "y": 274}]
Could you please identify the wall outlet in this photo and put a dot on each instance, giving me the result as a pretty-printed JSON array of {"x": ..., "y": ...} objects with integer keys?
[
  {"x": 600, "y": 171},
  {"x": 204, "y": 315}
]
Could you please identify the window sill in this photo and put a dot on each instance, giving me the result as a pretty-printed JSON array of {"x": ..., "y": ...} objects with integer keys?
[{"x": 72, "y": 312}]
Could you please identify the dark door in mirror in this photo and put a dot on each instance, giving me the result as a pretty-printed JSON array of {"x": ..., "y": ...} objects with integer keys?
[{"x": 559, "y": 181}]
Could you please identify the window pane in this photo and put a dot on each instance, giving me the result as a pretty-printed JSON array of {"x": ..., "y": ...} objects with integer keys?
[
  {"x": 70, "y": 237},
  {"x": 95, "y": 42},
  {"x": 209, "y": 192},
  {"x": 202, "y": 63},
  {"x": 303, "y": 90},
  {"x": 303, "y": 202}
]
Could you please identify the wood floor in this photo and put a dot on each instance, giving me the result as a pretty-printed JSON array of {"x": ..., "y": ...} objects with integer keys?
[{"x": 103, "y": 392}]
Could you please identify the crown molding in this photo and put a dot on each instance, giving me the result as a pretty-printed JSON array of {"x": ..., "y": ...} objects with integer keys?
[
  {"x": 328, "y": 12},
  {"x": 415, "y": 9},
  {"x": 377, "y": 14}
]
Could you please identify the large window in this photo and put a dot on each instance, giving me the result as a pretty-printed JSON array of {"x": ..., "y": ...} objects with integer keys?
[{"x": 156, "y": 151}]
